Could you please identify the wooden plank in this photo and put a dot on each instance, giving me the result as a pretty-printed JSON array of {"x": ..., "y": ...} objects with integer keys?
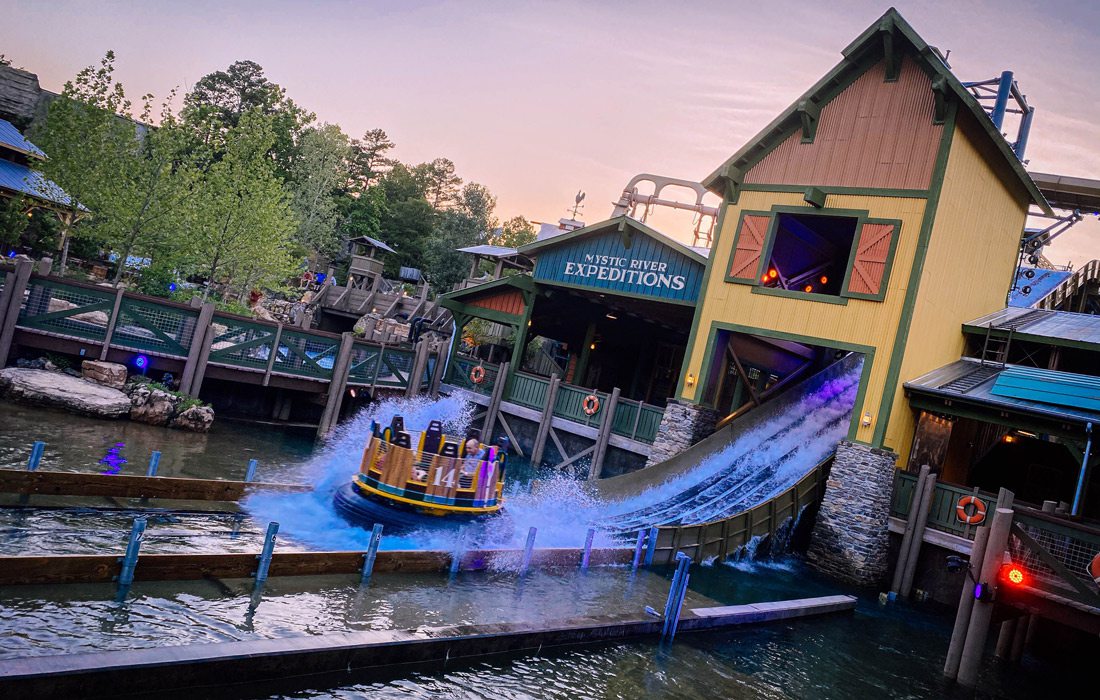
[
  {"x": 125, "y": 486},
  {"x": 104, "y": 568}
]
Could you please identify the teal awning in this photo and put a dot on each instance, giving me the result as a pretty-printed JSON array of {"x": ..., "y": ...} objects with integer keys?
[{"x": 1078, "y": 391}]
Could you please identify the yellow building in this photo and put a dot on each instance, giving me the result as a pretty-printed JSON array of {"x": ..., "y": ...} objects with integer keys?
[{"x": 877, "y": 214}]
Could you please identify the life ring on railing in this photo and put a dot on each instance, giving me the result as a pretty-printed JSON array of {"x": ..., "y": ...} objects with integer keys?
[
  {"x": 1094, "y": 569},
  {"x": 591, "y": 404},
  {"x": 477, "y": 374},
  {"x": 965, "y": 516}
]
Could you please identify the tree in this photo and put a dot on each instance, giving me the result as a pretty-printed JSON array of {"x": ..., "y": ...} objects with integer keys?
[
  {"x": 83, "y": 139},
  {"x": 220, "y": 99},
  {"x": 445, "y": 266},
  {"x": 13, "y": 221},
  {"x": 369, "y": 160},
  {"x": 318, "y": 172},
  {"x": 438, "y": 181},
  {"x": 478, "y": 203},
  {"x": 515, "y": 232},
  {"x": 240, "y": 222}
]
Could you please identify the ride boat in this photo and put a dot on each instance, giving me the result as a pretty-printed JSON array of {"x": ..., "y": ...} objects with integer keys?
[{"x": 441, "y": 480}]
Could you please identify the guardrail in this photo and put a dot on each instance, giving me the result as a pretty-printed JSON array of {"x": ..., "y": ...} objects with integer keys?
[{"x": 942, "y": 515}]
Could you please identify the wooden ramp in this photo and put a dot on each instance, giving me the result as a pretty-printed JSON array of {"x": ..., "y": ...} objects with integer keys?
[{"x": 125, "y": 486}]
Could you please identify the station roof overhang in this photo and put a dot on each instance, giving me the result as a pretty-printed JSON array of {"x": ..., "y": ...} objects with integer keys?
[
  {"x": 1053, "y": 328},
  {"x": 1064, "y": 192},
  {"x": 965, "y": 389},
  {"x": 887, "y": 36}
]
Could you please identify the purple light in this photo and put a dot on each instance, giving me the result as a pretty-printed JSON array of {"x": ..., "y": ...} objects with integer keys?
[
  {"x": 11, "y": 254},
  {"x": 113, "y": 459},
  {"x": 141, "y": 362},
  {"x": 977, "y": 591},
  {"x": 172, "y": 287}
]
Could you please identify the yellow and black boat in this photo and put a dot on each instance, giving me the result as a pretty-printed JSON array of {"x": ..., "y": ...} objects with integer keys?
[{"x": 441, "y": 480}]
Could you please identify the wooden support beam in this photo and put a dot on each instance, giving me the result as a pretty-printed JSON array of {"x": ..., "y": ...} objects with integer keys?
[
  {"x": 744, "y": 377},
  {"x": 125, "y": 486},
  {"x": 274, "y": 354},
  {"x": 112, "y": 322},
  {"x": 511, "y": 436},
  {"x": 971, "y": 662},
  {"x": 337, "y": 384},
  {"x": 494, "y": 402},
  {"x": 11, "y": 300},
  {"x": 544, "y": 423},
  {"x": 437, "y": 373},
  {"x": 921, "y": 517},
  {"x": 199, "y": 353},
  {"x": 604, "y": 436},
  {"x": 420, "y": 363}
]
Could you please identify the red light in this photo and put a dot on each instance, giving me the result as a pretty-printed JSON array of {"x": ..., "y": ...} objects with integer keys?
[
  {"x": 772, "y": 274},
  {"x": 808, "y": 288},
  {"x": 824, "y": 279},
  {"x": 1014, "y": 575},
  {"x": 764, "y": 278}
]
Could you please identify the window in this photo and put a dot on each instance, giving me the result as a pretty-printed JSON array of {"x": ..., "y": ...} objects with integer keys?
[{"x": 810, "y": 253}]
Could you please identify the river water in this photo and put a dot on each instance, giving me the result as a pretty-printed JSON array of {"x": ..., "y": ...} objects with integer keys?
[{"x": 893, "y": 651}]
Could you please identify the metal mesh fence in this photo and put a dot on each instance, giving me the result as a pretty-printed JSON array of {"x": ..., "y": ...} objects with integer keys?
[
  {"x": 307, "y": 355},
  {"x": 146, "y": 326},
  {"x": 241, "y": 343},
  {"x": 68, "y": 310},
  {"x": 1073, "y": 548}
]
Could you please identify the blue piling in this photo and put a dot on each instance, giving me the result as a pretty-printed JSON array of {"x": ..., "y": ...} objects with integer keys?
[
  {"x": 676, "y": 593},
  {"x": 587, "y": 548},
  {"x": 651, "y": 548},
  {"x": 638, "y": 550},
  {"x": 36, "y": 455},
  {"x": 129, "y": 560},
  {"x": 456, "y": 554},
  {"x": 251, "y": 473},
  {"x": 372, "y": 553},
  {"x": 265, "y": 554},
  {"x": 527, "y": 550},
  {"x": 154, "y": 462},
  {"x": 679, "y": 605}
]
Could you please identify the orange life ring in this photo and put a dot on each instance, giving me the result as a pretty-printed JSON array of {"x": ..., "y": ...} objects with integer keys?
[
  {"x": 477, "y": 374},
  {"x": 1094, "y": 569},
  {"x": 975, "y": 518},
  {"x": 591, "y": 404}
]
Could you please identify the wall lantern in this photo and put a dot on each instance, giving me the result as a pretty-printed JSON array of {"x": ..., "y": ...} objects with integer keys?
[
  {"x": 690, "y": 381},
  {"x": 866, "y": 422}
]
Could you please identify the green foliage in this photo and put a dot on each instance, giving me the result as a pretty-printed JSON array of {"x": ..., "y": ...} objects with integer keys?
[
  {"x": 155, "y": 279},
  {"x": 515, "y": 233},
  {"x": 438, "y": 182},
  {"x": 13, "y": 221},
  {"x": 188, "y": 400},
  {"x": 319, "y": 171}
]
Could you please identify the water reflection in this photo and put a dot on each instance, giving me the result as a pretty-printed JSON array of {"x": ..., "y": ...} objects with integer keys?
[{"x": 114, "y": 459}]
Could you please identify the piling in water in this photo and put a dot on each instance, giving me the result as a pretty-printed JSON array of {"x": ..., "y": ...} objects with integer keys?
[
  {"x": 527, "y": 549},
  {"x": 638, "y": 550},
  {"x": 129, "y": 560},
  {"x": 36, "y": 455},
  {"x": 251, "y": 473},
  {"x": 651, "y": 549},
  {"x": 154, "y": 462},
  {"x": 587, "y": 548},
  {"x": 265, "y": 554},
  {"x": 372, "y": 553}
]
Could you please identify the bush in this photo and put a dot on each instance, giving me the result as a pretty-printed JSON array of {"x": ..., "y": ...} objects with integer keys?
[{"x": 157, "y": 280}]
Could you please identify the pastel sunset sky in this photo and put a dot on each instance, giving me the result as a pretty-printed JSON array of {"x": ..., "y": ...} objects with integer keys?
[{"x": 539, "y": 99}]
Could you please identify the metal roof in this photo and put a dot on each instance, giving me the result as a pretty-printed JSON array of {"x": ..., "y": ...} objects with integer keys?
[
  {"x": 1050, "y": 327},
  {"x": 967, "y": 380},
  {"x": 1078, "y": 391},
  {"x": 490, "y": 251},
  {"x": 372, "y": 241},
  {"x": 12, "y": 139},
  {"x": 22, "y": 180},
  {"x": 1069, "y": 192},
  {"x": 1042, "y": 285}
]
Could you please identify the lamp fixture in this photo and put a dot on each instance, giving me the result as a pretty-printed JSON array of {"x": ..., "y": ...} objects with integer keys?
[
  {"x": 866, "y": 422},
  {"x": 690, "y": 380}
]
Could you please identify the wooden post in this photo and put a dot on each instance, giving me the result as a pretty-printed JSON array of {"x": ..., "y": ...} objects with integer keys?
[
  {"x": 11, "y": 299},
  {"x": 45, "y": 266},
  {"x": 273, "y": 355},
  {"x": 9, "y": 277},
  {"x": 437, "y": 372},
  {"x": 111, "y": 323},
  {"x": 1023, "y": 625},
  {"x": 604, "y": 436},
  {"x": 910, "y": 526},
  {"x": 195, "y": 366},
  {"x": 586, "y": 350},
  {"x": 547, "y": 418},
  {"x": 494, "y": 403},
  {"x": 971, "y": 661},
  {"x": 918, "y": 535},
  {"x": 420, "y": 362},
  {"x": 966, "y": 604},
  {"x": 1004, "y": 639},
  {"x": 337, "y": 385}
]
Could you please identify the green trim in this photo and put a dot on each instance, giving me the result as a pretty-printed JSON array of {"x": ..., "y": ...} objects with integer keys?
[
  {"x": 619, "y": 223},
  {"x": 867, "y": 351},
  {"x": 890, "y": 385},
  {"x": 959, "y": 407},
  {"x": 483, "y": 313},
  {"x": 524, "y": 282},
  {"x": 832, "y": 190},
  {"x": 795, "y": 294},
  {"x": 815, "y": 196},
  {"x": 1032, "y": 338},
  {"x": 612, "y": 292},
  {"x": 881, "y": 295},
  {"x": 736, "y": 237},
  {"x": 864, "y": 51},
  {"x": 731, "y": 193}
]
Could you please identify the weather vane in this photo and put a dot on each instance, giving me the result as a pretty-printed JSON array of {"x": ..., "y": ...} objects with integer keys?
[{"x": 577, "y": 206}]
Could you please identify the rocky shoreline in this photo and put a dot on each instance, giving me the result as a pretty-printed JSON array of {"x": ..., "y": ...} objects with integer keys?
[{"x": 105, "y": 391}]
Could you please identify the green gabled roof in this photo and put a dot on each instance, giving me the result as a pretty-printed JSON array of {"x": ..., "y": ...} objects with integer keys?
[
  {"x": 618, "y": 222},
  {"x": 522, "y": 282},
  {"x": 853, "y": 65}
]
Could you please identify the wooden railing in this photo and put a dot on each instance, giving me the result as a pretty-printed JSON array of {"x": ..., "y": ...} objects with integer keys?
[{"x": 942, "y": 515}]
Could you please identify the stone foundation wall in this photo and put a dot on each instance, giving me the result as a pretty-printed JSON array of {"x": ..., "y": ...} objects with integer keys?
[
  {"x": 851, "y": 540},
  {"x": 683, "y": 425}
]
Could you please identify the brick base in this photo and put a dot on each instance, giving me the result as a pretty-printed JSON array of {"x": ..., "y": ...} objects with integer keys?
[{"x": 851, "y": 536}]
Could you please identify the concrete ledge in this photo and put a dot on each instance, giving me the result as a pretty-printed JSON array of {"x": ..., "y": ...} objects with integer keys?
[{"x": 335, "y": 656}]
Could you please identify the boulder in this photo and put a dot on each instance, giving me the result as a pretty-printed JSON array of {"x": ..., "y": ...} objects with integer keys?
[
  {"x": 109, "y": 374},
  {"x": 43, "y": 388},
  {"x": 196, "y": 419},
  {"x": 152, "y": 406}
]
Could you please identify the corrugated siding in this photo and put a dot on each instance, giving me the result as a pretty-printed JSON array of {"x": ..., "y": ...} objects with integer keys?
[
  {"x": 970, "y": 263},
  {"x": 559, "y": 264},
  {"x": 1046, "y": 386},
  {"x": 870, "y": 261},
  {"x": 510, "y": 301},
  {"x": 750, "y": 241},
  {"x": 873, "y": 134},
  {"x": 861, "y": 321}
]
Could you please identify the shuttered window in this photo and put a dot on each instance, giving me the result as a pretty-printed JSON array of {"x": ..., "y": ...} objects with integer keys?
[
  {"x": 749, "y": 243},
  {"x": 872, "y": 256}
]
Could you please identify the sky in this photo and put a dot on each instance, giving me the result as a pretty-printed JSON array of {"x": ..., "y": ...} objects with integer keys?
[{"x": 538, "y": 100}]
